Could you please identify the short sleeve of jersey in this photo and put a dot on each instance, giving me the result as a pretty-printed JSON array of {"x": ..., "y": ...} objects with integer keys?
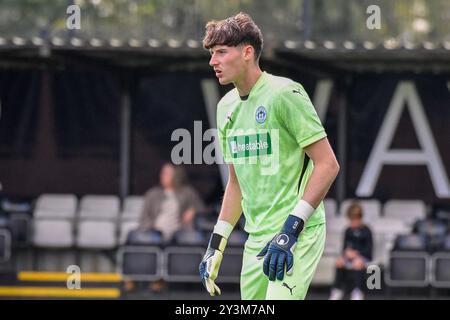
[
  {"x": 296, "y": 112},
  {"x": 224, "y": 146},
  {"x": 221, "y": 134}
]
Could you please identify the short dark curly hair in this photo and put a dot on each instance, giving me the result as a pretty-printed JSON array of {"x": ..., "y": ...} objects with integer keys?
[
  {"x": 355, "y": 211},
  {"x": 234, "y": 31}
]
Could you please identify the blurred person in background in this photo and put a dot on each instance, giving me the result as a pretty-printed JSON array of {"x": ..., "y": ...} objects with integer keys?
[
  {"x": 356, "y": 253},
  {"x": 169, "y": 207},
  {"x": 172, "y": 205}
]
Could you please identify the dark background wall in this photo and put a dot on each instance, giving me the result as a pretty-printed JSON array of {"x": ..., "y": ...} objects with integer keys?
[{"x": 60, "y": 130}]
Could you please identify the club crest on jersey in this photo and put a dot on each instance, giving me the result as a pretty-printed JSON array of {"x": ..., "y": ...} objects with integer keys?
[{"x": 260, "y": 114}]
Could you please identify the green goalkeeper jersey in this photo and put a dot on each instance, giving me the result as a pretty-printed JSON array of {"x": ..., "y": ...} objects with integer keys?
[{"x": 264, "y": 137}]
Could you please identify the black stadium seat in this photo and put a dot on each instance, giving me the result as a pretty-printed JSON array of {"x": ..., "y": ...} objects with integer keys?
[
  {"x": 434, "y": 230},
  {"x": 189, "y": 238},
  {"x": 19, "y": 221},
  {"x": 440, "y": 270},
  {"x": 409, "y": 262},
  {"x": 440, "y": 277},
  {"x": 430, "y": 227},
  {"x": 141, "y": 258},
  {"x": 4, "y": 222},
  {"x": 237, "y": 239},
  {"x": 183, "y": 257},
  {"x": 446, "y": 244},
  {"x": 20, "y": 229},
  {"x": 5, "y": 245},
  {"x": 182, "y": 263},
  {"x": 230, "y": 269},
  {"x": 140, "y": 263},
  {"x": 410, "y": 242},
  {"x": 5, "y": 238},
  {"x": 408, "y": 269},
  {"x": 144, "y": 238}
]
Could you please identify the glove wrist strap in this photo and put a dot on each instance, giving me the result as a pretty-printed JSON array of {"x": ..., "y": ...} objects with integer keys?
[
  {"x": 303, "y": 210},
  {"x": 293, "y": 225},
  {"x": 217, "y": 242},
  {"x": 222, "y": 231},
  {"x": 223, "y": 228}
]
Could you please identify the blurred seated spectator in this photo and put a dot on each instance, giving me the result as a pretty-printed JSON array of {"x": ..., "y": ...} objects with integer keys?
[
  {"x": 172, "y": 205},
  {"x": 356, "y": 254},
  {"x": 169, "y": 207}
]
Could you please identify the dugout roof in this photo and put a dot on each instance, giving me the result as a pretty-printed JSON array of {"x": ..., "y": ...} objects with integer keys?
[{"x": 171, "y": 54}]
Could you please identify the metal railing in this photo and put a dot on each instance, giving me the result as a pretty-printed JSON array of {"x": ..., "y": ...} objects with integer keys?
[{"x": 181, "y": 20}]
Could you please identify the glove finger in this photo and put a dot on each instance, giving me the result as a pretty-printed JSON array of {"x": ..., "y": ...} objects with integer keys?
[
  {"x": 289, "y": 264},
  {"x": 202, "y": 268},
  {"x": 204, "y": 283},
  {"x": 215, "y": 289},
  {"x": 263, "y": 252},
  {"x": 266, "y": 264},
  {"x": 209, "y": 285},
  {"x": 273, "y": 266},
  {"x": 280, "y": 266}
]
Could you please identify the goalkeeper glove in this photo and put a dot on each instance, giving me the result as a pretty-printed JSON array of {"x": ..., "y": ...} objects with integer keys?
[
  {"x": 280, "y": 250},
  {"x": 209, "y": 267}
]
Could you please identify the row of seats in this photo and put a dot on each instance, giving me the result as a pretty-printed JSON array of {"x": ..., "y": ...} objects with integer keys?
[
  {"x": 428, "y": 238},
  {"x": 422, "y": 242},
  {"x": 144, "y": 258},
  {"x": 419, "y": 259},
  {"x": 418, "y": 269},
  {"x": 406, "y": 210},
  {"x": 101, "y": 222},
  {"x": 96, "y": 222},
  {"x": 397, "y": 218}
]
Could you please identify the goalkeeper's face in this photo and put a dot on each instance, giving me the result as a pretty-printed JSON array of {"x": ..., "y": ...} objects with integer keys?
[{"x": 229, "y": 63}]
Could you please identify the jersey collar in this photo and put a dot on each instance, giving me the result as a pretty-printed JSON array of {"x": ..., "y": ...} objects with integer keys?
[{"x": 259, "y": 83}]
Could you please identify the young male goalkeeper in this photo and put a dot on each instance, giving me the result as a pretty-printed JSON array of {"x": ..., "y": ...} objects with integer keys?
[{"x": 266, "y": 125}]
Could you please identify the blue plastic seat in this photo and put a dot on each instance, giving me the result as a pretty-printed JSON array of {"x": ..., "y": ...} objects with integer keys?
[
  {"x": 410, "y": 242},
  {"x": 144, "y": 238},
  {"x": 189, "y": 238}
]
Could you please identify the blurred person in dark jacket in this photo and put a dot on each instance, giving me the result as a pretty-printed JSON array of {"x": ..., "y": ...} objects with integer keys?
[{"x": 356, "y": 254}]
